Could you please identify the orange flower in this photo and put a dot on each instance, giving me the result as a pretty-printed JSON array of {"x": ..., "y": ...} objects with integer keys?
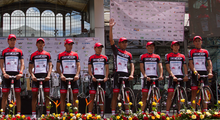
[
  {"x": 56, "y": 103},
  {"x": 13, "y": 103},
  {"x": 87, "y": 102},
  {"x": 157, "y": 100}
]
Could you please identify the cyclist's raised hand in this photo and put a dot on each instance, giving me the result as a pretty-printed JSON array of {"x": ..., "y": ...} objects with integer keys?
[
  {"x": 34, "y": 78},
  {"x": 160, "y": 78},
  {"x": 93, "y": 79},
  {"x": 18, "y": 76},
  {"x": 63, "y": 78},
  {"x": 112, "y": 22},
  {"x": 6, "y": 76},
  {"x": 131, "y": 77},
  {"x": 185, "y": 78},
  {"x": 210, "y": 75},
  {"x": 47, "y": 78},
  {"x": 105, "y": 79},
  {"x": 174, "y": 78},
  {"x": 76, "y": 78}
]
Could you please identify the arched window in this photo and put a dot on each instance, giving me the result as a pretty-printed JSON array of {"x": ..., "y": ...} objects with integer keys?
[
  {"x": 6, "y": 24},
  {"x": 67, "y": 19},
  {"x": 59, "y": 25},
  {"x": 48, "y": 24},
  {"x": 32, "y": 22},
  {"x": 76, "y": 23},
  {"x": 18, "y": 23}
]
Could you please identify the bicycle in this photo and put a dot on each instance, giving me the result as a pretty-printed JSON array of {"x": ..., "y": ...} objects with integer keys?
[
  {"x": 179, "y": 93},
  {"x": 126, "y": 95},
  {"x": 153, "y": 94},
  {"x": 40, "y": 100},
  {"x": 11, "y": 95},
  {"x": 204, "y": 94},
  {"x": 99, "y": 99}
]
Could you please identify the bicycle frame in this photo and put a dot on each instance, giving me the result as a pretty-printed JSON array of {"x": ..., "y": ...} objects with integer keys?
[
  {"x": 41, "y": 93},
  {"x": 204, "y": 94},
  {"x": 98, "y": 92},
  {"x": 122, "y": 88},
  {"x": 153, "y": 85},
  {"x": 69, "y": 89},
  {"x": 12, "y": 90},
  {"x": 179, "y": 93}
]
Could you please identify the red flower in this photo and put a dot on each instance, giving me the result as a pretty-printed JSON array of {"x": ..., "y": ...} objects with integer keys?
[
  {"x": 158, "y": 113},
  {"x": 28, "y": 118},
  {"x": 173, "y": 117},
  {"x": 76, "y": 112},
  {"x": 124, "y": 118},
  {"x": 13, "y": 118},
  {"x": 163, "y": 118},
  {"x": 68, "y": 117},
  {"x": 145, "y": 118},
  {"x": 179, "y": 115},
  {"x": 135, "y": 118},
  {"x": 167, "y": 115}
]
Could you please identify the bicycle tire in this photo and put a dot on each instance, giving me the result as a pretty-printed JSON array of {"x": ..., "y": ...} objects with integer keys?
[
  {"x": 200, "y": 101},
  {"x": 40, "y": 106},
  {"x": 185, "y": 96},
  {"x": 132, "y": 99},
  {"x": 154, "y": 99},
  {"x": 163, "y": 100},
  {"x": 98, "y": 109},
  {"x": 70, "y": 96}
]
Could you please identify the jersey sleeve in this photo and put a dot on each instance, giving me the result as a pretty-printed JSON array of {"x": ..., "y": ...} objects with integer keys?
[
  {"x": 141, "y": 59},
  {"x": 106, "y": 60},
  {"x": 58, "y": 58},
  {"x": 77, "y": 57},
  {"x": 21, "y": 55},
  {"x": 184, "y": 59},
  {"x": 189, "y": 55},
  {"x": 1, "y": 55},
  {"x": 159, "y": 60},
  {"x": 207, "y": 55},
  {"x": 114, "y": 49},
  {"x": 49, "y": 58},
  {"x": 90, "y": 60},
  {"x": 167, "y": 59},
  {"x": 31, "y": 61},
  {"x": 130, "y": 58}
]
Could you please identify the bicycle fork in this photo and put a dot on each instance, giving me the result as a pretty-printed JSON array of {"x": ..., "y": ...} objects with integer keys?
[
  {"x": 41, "y": 94},
  {"x": 99, "y": 94},
  {"x": 68, "y": 92},
  {"x": 12, "y": 91},
  {"x": 204, "y": 93}
]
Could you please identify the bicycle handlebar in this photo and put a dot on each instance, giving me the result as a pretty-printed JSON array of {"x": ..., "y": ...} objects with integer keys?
[
  {"x": 12, "y": 77},
  {"x": 179, "y": 79},
  {"x": 203, "y": 76},
  {"x": 40, "y": 79},
  {"x": 123, "y": 78},
  {"x": 69, "y": 78},
  {"x": 99, "y": 80},
  {"x": 150, "y": 78}
]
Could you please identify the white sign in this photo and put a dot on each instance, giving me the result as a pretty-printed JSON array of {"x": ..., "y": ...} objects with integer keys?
[{"x": 148, "y": 20}]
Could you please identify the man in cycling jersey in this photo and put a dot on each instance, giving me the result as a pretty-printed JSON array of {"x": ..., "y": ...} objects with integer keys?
[
  {"x": 148, "y": 66},
  {"x": 98, "y": 69},
  {"x": 121, "y": 59},
  {"x": 174, "y": 62},
  {"x": 40, "y": 60},
  {"x": 198, "y": 58},
  {"x": 9, "y": 63},
  {"x": 69, "y": 62}
]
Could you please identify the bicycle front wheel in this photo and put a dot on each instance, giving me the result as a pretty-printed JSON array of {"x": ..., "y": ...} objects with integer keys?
[
  {"x": 154, "y": 97},
  {"x": 40, "y": 104},
  {"x": 130, "y": 98},
  {"x": 163, "y": 100},
  {"x": 208, "y": 96},
  {"x": 100, "y": 105}
]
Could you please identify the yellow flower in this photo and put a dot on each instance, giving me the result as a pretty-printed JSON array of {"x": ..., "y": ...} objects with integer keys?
[
  {"x": 154, "y": 103},
  {"x": 42, "y": 115},
  {"x": 9, "y": 116},
  {"x": 90, "y": 115},
  {"x": 218, "y": 101},
  {"x": 202, "y": 116},
  {"x": 98, "y": 117},
  {"x": 23, "y": 116},
  {"x": 68, "y": 104},
  {"x": 119, "y": 104},
  {"x": 199, "y": 113},
  {"x": 130, "y": 103},
  {"x": 71, "y": 114},
  {"x": 64, "y": 118},
  {"x": 49, "y": 103},
  {"x": 158, "y": 116},
  {"x": 168, "y": 118},
  {"x": 78, "y": 115},
  {"x": 10, "y": 105},
  {"x": 77, "y": 101},
  {"x": 216, "y": 113},
  {"x": 162, "y": 114},
  {"x": 193, "y": 116},
  {"x": 18, "y": 115},
  {"x": 182, "y": 100},
  {"x": 208, "y": 114},
  {"x": 1, "y": 110},
  {"x": 54, "y": 114},
  {"x": 194, "y": 102},
  {"x": 130, "y": 118},
  {"x": 140, "y": 103},
  {"x": 57, "y": 115},
  {"x": 152, "y": 117},
  {"x": 118, "y": 117}
]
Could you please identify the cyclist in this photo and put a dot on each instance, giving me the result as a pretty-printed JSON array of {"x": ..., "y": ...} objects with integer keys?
[
  {"x": 174, "y": 62},
  {"x": 69, "y": 62},
  {"x": 148, "y": 66},
  {"x": 121, "y": 59},
  {"x": 197, "y": 63},
  {"x": 97, "y": 63},
  {"x": 40, "y": 60},
  {"x": 9, "y": 63}
]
